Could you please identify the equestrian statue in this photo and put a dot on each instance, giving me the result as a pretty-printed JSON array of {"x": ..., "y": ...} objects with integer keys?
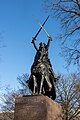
[{"x": 42, "y": 77}]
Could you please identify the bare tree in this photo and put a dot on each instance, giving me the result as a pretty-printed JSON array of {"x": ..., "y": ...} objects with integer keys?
[
  {"x": 68, "y": 12},
  {"x": 8, "y": 98},
  {"x": 68, "y": 95},
  {"x": 71, "y": 55},
  {"x": 8, "y": 103},
  {"x": 24, "y": 89}
]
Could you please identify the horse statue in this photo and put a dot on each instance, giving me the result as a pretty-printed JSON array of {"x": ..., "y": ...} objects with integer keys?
[{"x": 42, "y": 77}]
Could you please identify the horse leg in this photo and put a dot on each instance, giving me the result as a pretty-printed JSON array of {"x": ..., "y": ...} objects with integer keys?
[
  {"x": 35, "y": 85},
  {"x": 48, "y": 82},
  {"x": 41, "y": 84}
]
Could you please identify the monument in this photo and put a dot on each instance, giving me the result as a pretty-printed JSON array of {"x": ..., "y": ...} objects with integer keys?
[
  {"x": 40, "y": 105},
  {"x": 42, "y": 76}
]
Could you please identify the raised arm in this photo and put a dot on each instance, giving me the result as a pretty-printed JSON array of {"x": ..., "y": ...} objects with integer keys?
[
  {"x": 49, "y": 40},
  {"x": 34, "y": 45}
]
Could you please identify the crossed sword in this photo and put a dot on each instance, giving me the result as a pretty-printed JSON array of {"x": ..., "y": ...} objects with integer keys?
[{"x": 41, "y": 27}]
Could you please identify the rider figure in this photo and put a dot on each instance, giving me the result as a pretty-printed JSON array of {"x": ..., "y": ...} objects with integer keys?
[
  {"x": 42, "y": 75},
  {"x": 42, "y": 55}
]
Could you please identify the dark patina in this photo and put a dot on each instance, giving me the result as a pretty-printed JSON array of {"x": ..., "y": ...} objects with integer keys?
[{"x": 42, "y": 77}]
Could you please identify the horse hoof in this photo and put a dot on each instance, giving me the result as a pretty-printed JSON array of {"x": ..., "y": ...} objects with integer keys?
[
  {"x": 34, "y": 94},
  {"x": 40, "y": 93}
]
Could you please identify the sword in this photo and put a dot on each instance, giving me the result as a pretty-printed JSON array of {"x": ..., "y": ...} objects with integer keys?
[
  {"x": 34, "y": 38},
  {"x": 42, "y": 28}
]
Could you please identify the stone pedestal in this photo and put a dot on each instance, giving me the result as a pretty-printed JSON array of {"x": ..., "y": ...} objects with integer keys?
[{"x": 37, "y": 108}]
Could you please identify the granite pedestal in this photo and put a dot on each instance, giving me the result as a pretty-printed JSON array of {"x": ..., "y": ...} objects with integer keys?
[{"x": 37, "y": 108}]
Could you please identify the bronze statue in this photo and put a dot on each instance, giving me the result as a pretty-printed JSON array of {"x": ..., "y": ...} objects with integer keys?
[{"x": 42, "y": 77}]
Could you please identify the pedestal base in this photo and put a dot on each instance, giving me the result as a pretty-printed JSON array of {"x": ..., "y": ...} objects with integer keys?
[{"x": 37, "y": 108}]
